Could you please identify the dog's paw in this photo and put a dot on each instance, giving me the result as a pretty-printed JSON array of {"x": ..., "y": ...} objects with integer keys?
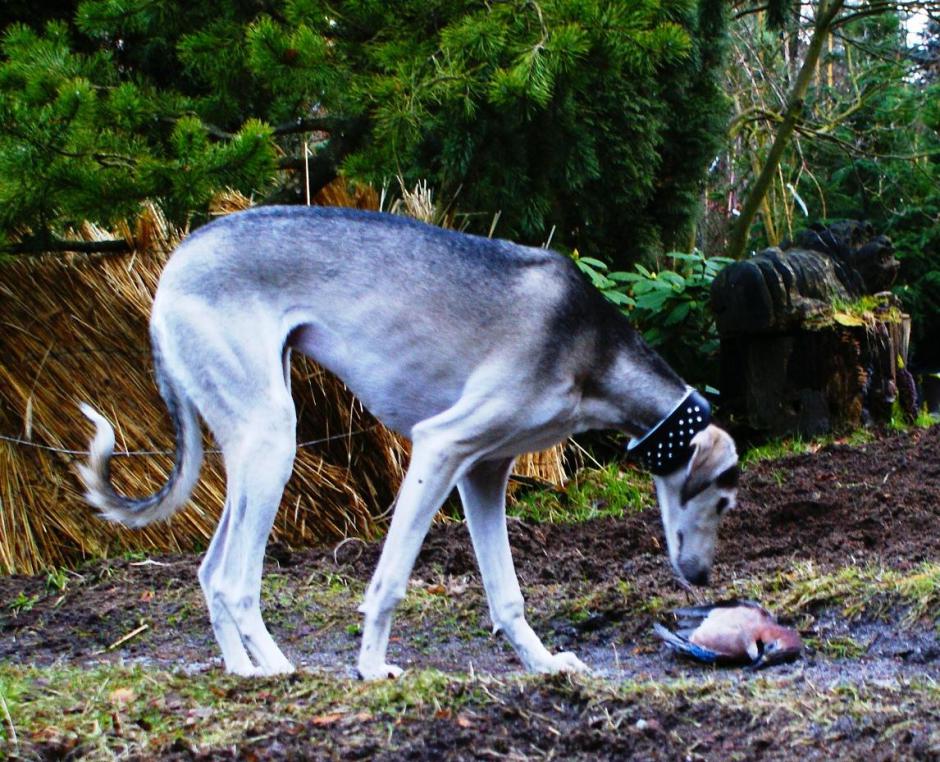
[
  {"x": 279, "y": 668},
  {"x": 255, "y": 670},
  {"x": 378, "y": 672},
  {"x": 249, "y": 670},
  {"x": 565, "y": 662}
]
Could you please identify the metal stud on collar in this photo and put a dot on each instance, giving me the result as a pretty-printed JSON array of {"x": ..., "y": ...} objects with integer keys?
[{"x": 667, "y": 446}]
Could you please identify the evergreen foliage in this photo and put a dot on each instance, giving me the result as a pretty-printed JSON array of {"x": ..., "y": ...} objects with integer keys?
[
  {"x": 882, "y": 164},
  {"x": 81, "y": 140},
  {"x": 593, "y": 117}
]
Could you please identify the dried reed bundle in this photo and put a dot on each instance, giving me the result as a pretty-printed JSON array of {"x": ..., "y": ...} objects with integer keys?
[
  {"x": 75, "y": 329},
  {"x": 340, "y": 193}
]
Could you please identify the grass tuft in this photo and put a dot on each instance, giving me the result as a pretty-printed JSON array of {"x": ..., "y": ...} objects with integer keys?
[
  {"x": 870, "y": 590},
  {"x": 592, "y": 493}
]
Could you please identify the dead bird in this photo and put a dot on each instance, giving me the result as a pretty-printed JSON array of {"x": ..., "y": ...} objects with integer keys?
[{"x": 732, "y": 632}]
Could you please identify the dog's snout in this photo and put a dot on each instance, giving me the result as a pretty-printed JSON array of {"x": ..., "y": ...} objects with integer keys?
[{"x": 694, "y": 571}]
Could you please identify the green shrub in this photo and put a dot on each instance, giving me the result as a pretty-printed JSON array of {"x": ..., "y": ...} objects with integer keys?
[{"x": 670, "y": 307}]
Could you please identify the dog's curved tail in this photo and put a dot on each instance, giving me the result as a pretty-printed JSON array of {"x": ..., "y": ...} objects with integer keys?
[{"x": 96, "y": 473}]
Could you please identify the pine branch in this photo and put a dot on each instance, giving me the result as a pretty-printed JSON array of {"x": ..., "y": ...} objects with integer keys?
[
  {"x": 38, "y": 245},
  {"x": 749, "y": 11},
  {"x": 293, "y": 127}
]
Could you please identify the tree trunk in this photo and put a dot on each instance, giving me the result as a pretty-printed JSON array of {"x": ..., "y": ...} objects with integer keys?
[
  {"x": 825, "y": 16},
  {"x": 811, "y": 383}
]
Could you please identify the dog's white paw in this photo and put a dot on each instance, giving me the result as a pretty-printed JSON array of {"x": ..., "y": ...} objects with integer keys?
[
  {"x": 378, "y": 672},
  {"x": 253, "y": 670},
  {"x": 565, "y": 662},
  {"x": 281, "y": 668}
]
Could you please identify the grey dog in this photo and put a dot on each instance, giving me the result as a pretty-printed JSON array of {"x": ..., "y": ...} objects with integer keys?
[{"x": 477, "y": 349}]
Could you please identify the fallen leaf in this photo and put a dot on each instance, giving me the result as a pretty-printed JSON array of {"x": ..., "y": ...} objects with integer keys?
[
  {"x": 122, "y": 696},
  {"x": 846, "y": 319},
  {"x": 327, "y": 719}
]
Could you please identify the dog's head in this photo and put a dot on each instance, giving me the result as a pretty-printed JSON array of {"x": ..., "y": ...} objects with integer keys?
[{"x": 692, "y": 500}]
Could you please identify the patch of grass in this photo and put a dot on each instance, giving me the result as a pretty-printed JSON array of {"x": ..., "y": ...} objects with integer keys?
[
  {"x": 22, "y": 603},
  {"x": 787, "y": 446},
  {"x": 899, "y": 422},
  {"x": 773, "y": 450},
  {"x": 922, "y": 591},
  {"x": 110, "y": 711},
  {"x": 617, "y": 601},
  {"x": 440, "y": 610},
  {"x": 57, "y": 580},
  {"x": 798, "y": 715},
  {"x": 838, "y": 647},
  {"x": 859, "y": 437},
  {"x": 593, "y": 493},
  {"x": 426, "y": 689},
  {"x": 856, "y": 590}
]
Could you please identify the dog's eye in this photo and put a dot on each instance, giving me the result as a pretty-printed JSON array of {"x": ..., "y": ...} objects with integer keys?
[{"x": 722, "y": 504}]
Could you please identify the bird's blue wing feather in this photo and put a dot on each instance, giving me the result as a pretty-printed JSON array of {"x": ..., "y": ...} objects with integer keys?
[{"x": 686, "y": 647}]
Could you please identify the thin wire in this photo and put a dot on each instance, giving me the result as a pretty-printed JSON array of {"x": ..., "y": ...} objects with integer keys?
[{"x": 136, "y": 453}]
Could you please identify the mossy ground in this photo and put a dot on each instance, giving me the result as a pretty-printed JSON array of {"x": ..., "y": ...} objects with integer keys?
[{"x": 117, "y": 659}]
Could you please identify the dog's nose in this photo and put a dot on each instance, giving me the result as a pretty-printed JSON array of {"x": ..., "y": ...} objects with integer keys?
[{"x": 693, "y": 571}]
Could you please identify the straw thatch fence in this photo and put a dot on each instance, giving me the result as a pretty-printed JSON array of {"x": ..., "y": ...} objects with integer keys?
[{"x": 75, "y": 328}]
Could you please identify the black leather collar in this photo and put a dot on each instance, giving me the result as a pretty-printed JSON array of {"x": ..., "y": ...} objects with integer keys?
[{"x": 666, "y": 447}]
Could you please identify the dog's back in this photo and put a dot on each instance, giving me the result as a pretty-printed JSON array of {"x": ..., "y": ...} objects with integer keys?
[{"x": 402, "y": 311}]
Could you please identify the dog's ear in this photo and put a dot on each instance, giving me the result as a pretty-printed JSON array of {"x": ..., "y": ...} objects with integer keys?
[{"x": 713, "y": 455}]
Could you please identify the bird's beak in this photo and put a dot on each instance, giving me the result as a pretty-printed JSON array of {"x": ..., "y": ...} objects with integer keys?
[{"x": 767, "y": 658}]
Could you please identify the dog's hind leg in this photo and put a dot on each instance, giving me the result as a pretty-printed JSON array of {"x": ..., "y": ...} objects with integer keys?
[
  {"x": 483, "y": 493},
  {"x": 223, "y": 626},
  {"x": 258, "y": 463}
]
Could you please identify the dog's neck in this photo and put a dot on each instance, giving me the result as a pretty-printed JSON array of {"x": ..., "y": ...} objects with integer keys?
[
  {"x": 666, "y": 446},
  {"x": 634, "y": 387}
]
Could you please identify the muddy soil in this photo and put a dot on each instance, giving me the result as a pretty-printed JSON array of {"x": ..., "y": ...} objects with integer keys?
[{"x": 595, "y": 588}]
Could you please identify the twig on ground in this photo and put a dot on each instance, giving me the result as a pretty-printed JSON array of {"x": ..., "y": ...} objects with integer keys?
[
  {"x": 9, "y": 719},
  {"x": 131, "y": 634}
]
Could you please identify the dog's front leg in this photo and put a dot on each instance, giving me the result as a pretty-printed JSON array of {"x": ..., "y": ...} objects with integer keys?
[
  {"x": 430, "y": 477},
  {"x": 483, "y": 492}
]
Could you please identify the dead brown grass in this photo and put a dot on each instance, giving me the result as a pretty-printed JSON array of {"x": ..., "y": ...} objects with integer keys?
[{"x": 75, "y": 329}]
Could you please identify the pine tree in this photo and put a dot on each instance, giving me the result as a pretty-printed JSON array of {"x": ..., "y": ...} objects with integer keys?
[{"x": 594, "y": 118}]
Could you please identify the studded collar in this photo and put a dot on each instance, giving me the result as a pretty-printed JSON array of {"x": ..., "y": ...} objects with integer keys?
[{"x": 667, "y": 446}]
